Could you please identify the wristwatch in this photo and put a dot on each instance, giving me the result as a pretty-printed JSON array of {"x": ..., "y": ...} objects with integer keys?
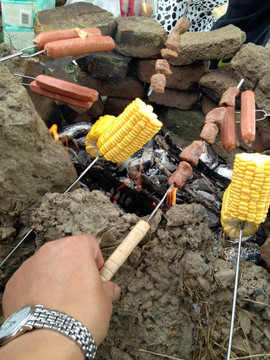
[{"x": 37, "y": 317}]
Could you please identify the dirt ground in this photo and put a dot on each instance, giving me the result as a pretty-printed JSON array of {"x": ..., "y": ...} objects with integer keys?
[{"x": 176, "y": 292}]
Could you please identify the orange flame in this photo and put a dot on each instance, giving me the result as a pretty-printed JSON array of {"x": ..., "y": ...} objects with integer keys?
[
  {"x": 53, "y": 131},
  {"x": 171, "y": 198}
]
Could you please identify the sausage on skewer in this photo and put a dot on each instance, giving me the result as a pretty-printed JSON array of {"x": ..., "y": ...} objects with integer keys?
[
  {"x": 67, "y": 88},
  {"x": 78, "y": 46},
  {"x": 248, "y": 119},
  {"x": 227, "y": 130},
  {"x": 66, "y": 99},
  {"x": 48, "y": 36}
]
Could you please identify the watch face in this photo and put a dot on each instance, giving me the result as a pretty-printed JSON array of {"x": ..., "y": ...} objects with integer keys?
[{"x": 14, "y": 322}]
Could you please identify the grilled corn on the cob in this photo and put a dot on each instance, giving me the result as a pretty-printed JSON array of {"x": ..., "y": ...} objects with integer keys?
[
  {"x": 125, "y": 135},
  {"x": 247, "y": 198},
  {"x": 96, "y": 130}
]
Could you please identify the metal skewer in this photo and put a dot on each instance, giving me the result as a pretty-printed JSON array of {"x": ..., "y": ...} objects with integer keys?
[
  {"x": 30, "y": 231},
  {"x": 264, "y": 116},
  {"x": 158, "y": 72},
  {"x": 235, "y": 291},
  {"x": 18, "y": 53}
]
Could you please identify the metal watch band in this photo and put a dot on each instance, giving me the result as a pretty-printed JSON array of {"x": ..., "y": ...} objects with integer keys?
[{"x": 43, "y": 318}]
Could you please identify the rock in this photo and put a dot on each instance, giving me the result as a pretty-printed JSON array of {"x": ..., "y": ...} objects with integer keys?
[
  {"x": 265, "y": 251},
  {"x": 46, "y": 108},
  {"x": 108, "y": 66},
  {"x": 73, "y": 115},
  {"x": 214, "y": 83},
  {"x": 251, "y": 62},
  {"x": 222, "y": 43},
  {"x": 186, "y": 125},
  {"x": 182, "y": 78},
  {"x": 115, "y": 106},
  {"x": 193, "y": 264},
  {"x": 140, "y": 37},
  {"x": 77, "y": 15},
  {"x": 261, "y": 300},
  {"x": 207, "y": 104},
  {"x": 71, "y": 212},
  {"x": 245, "y": 323},
  {"x": 128, "y": 88},
  {"x": 224, "y": 273},
  {"x": 183, "y": 100},
  {"x": 31, "y": 162}
]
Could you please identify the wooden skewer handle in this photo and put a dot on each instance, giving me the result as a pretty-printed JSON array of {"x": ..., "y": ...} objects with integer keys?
[{"x": 120, "y": 255}]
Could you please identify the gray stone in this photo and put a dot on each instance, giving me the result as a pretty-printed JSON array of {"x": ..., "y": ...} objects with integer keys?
[
  {"x": 193, "y": 264},
  {"x": 128, "y": 88},
  {"x": 261, "y": 300},
  {"x": 186, "y": 125},
  {"x": 214, "y": 83},
  {"x": 222, "y": 43},
  {"x": 183, "y": 100},
  {"x": 251, "y": 62},
  {"x": 105, "y": 65},
  {"x": 77, "y": 15},
  {"x": 46, "y": 108},
  {"x": 115, "y": 106},
  {"x": 31, "y": 162},
  {"x": 71, "y": 212},
  {"x": 140, "y": 37}
]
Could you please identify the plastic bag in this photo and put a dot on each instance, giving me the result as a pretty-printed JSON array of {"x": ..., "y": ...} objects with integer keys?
[{"x": 112, "y": 6}]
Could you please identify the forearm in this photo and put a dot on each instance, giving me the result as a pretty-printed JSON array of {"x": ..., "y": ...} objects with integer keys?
[{"x": 41, "y": 344}]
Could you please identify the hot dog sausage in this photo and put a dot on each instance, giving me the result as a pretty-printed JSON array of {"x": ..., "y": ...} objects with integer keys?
[
  {"x": 178, "y": 178},
  {"x": 78, "y": 46},
  {"x": 68, "y": 100},
  {"x": 227, "y": 129},
  {"x": 248, "y": 119},
  {"x": 66, "y": 88},
  {"x": 45, "y": 37}
]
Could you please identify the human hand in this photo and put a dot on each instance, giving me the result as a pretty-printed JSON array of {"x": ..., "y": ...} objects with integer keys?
[{"x": 64, "y": 275}]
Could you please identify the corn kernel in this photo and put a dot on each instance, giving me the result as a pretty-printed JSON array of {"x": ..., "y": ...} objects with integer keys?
[{"x": 247, "y": 198}]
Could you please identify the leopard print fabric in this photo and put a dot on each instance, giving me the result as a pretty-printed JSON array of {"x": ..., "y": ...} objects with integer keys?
[{"x": 199, "y": 13}]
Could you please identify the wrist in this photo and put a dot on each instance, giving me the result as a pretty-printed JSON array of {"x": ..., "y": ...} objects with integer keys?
[{"x": 45, "y": 344}]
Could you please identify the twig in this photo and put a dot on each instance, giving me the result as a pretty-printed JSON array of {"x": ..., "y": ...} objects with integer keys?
[
  {"x": 161, "y": 355},
  {"x": 250, "y": 357}
]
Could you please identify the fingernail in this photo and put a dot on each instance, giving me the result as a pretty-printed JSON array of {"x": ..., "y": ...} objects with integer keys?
[{"x": 117, "y": 292}]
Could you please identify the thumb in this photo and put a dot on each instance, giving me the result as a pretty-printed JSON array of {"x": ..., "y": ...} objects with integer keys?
[{"x": 112, "y": 290}]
